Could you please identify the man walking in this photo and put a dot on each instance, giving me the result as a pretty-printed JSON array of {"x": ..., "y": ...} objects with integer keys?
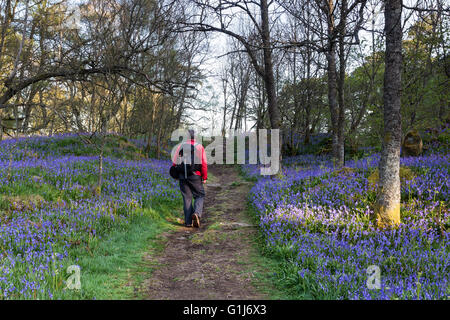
[{"x": 193, "y": 174}]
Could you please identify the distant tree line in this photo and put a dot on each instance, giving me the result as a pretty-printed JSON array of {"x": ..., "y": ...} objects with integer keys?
[{"x": 101, "y": 66}]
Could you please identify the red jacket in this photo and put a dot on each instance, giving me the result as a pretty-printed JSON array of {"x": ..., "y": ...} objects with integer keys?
[{"x": 199, "y": 148}]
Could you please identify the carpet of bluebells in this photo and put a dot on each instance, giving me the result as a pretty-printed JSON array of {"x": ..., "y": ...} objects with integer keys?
[
  {"x": 48, "y": 206},
  {"x": 319, "y": 221}
]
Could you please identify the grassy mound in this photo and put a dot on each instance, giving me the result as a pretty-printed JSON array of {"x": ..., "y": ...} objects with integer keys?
[{"x": 114, "y": 146}]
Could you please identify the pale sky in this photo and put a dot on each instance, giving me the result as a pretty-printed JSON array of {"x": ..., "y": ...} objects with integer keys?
[{"x": 218, "y": 47}]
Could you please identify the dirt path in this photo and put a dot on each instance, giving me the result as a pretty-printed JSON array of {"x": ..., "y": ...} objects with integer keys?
[{"x": 215, "y": 261}]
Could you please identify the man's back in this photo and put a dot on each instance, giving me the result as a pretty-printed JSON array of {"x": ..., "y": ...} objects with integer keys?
[{"x": 200, "y": 156}]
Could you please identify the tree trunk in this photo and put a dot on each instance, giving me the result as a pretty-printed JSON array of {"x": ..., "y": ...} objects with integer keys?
[
  {"x": 224, "y": 107},
  {"x": 269, "y": 79},
  {"x": 233, "y": 113},
  {"x": 158, "y": 135},
  {"x": 52, "y": 124},
  {"x": 332, "y": 86},
  {"x": 341, "y": 92},
  {"x": 148, "y": 148},
  {"x": 332, "y": 101},
  {"x": 1, "y": 126},
  {"x": 387, "y": 209},
  {"x": 306, "y": 138},
  {"x": 5, "y": 26},
  {"x": 335, "y": 105}
]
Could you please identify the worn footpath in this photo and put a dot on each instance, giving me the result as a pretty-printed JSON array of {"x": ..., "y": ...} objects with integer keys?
[{"x": 215, "y": 261}]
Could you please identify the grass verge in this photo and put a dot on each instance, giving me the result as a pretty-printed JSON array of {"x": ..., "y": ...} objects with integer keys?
[
  {"x": 273, "y": 277},
  {"x": 114, "y": 266}
]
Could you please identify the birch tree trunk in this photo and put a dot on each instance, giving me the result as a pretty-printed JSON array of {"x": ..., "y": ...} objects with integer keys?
[{"x": 387, "y": 209}]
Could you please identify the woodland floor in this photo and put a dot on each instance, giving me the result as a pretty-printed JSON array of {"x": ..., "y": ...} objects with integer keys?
[{"x": 216, "y": 261}]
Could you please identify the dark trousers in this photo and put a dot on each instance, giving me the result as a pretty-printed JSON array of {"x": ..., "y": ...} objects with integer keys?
[{"x": 192, "y": 187}]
